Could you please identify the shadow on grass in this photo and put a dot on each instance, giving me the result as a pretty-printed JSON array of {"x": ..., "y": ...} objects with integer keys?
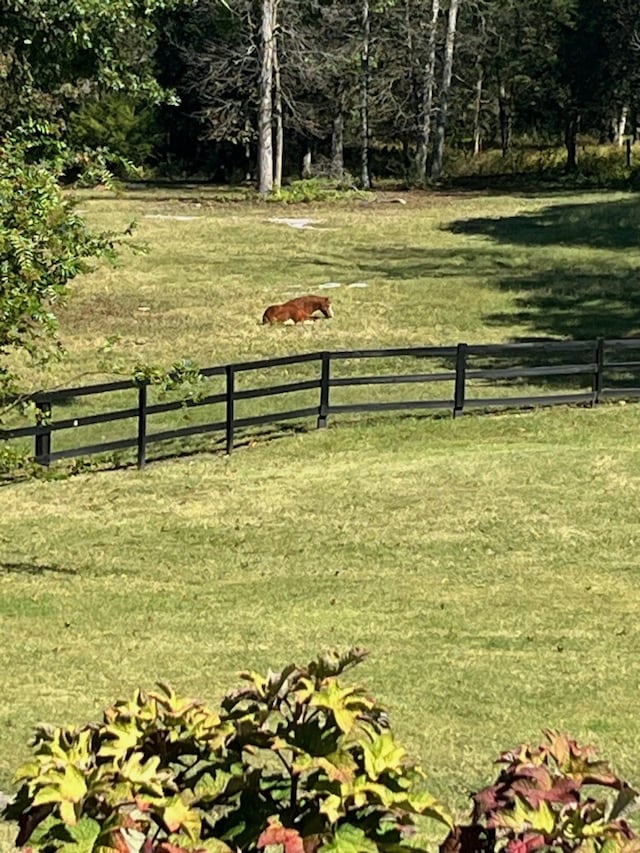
[
  {"x": 27, "y": 568},
  {"x": 598, "y": 225},
  {"x": 160, "y": 452},
  {"x": 581, "y": 298},
  {"x": 582, "y": 301}
]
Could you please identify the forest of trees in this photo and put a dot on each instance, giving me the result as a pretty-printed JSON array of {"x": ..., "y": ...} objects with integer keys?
[{"x": 352, "y": 89}]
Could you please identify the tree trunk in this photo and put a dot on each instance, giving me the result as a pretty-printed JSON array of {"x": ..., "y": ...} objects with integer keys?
[
  {"x": 447, "y": 72},
  {"x": 306, "y": 165},
  {"x": 365, "y": 72},
  {"x": 426, "y": 98},
  {"x": 504, "y": 113},
  {"x": 621, "y": 126},
  {"x": 337, "y": 143},
  {"x": 277, "y": 109},
  {"x": 477, "y": 105},
  {"x": 265, "y": 116},
  {"x": 572, "y": 123}
]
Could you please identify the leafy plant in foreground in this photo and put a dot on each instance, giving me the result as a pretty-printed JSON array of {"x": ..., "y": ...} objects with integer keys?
[
  {"x": 550, "y": 797},
  {"x": 293, "y": 759}
]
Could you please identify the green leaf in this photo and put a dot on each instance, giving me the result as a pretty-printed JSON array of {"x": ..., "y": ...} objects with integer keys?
[
  {"x": 523, "y": 816},
  {"x": 122, "y": 737},
  {"x": 427, "y": 805},
  {"x": 210, "y": 786},
  {"x": 345, "y": 703},
  {"x": 47, "y": 794},
  {"x": 349, "y": 839},
  {"x": 68, "y": 812},
  {"x": 82, "y": 836},
  {"x": 29, "y": 770},
  {"x": 143, "y": 773},
  {"x": 177, "y": 814},
  {"x": 333, "y": 807},
  {"x": 214, "y": 845},
  {"x": 66, "y": 786},
  {"x": 382, "y": 755}
]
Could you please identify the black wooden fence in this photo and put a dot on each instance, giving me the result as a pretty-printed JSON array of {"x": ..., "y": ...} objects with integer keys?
[{"x": 603, "y": 366}]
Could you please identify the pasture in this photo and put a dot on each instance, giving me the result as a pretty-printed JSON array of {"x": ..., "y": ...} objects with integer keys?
[{"x": 488, "y": 563}]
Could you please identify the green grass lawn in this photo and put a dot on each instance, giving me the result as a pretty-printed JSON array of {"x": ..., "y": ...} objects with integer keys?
[{"x": 488, "y": 563}]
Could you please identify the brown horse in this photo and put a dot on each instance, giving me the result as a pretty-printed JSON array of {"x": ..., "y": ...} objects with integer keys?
[
  {"x": 285, "y": 313},
  {"x": 298, "y": 310},
  {"x": 312, "y": 303}
]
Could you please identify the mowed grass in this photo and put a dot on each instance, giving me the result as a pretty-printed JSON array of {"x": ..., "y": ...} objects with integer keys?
[{"x": 488, "y": 563}]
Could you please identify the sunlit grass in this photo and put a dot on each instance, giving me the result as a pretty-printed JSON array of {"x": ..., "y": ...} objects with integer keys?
[
  {"x": 433, "y": 276},
  {"x": 489, "y": 563}
]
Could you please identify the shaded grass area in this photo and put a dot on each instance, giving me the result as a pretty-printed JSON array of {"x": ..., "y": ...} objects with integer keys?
[
  {"x": 489, "y": 564},
  {"x": 592, "y": 296}
]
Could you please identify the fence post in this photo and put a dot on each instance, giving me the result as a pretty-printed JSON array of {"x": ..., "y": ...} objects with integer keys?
[
  {"x": 43, "y": 436},
  {"x": 325, "y": 376},
  {"x": 596, "y": 385},
  {"x": 230, "y": 371},
  {"x": 461, "y": 374},
  {"x": 142, "y": 424}
]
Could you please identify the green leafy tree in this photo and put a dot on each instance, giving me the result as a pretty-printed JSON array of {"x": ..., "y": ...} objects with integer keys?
[
  {"x": 44, "y": 244},
  {"x": 57, "y": 55},
  {"x": 54, "y": 58}
]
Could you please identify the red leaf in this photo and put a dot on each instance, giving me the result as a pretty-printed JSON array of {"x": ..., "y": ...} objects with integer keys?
[
  {"x": 275, "y": 833},
  {"x": 117, "y": 842}
]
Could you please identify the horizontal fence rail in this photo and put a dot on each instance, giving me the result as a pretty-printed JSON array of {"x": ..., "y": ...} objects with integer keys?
[{"x": 600, "y": 365}]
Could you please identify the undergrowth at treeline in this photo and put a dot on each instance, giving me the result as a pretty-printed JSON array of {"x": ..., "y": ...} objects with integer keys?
[{"x": 294, "y": 762}]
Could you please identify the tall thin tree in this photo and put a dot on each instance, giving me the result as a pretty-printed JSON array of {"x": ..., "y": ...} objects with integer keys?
[
  {"x": 365, "y": 72},
  {"x": 447, "y": 73},
  {"x": 265, "y": 116},
  {"x": 426, "y": 97}
]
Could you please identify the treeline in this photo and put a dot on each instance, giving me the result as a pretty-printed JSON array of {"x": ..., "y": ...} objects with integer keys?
[{"x": 263, "y": 89}]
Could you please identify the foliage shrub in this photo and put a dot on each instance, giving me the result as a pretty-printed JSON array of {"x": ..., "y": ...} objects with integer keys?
[
  {"x": 127, "y": 128},
  {"x": 292, "y": 760},
  {"x": 44, "y": 244},
  {"x": 553, "y": 797},
  {"x": 603, "y": 166},
  {"x": 295, "y": 762},
  {"x": 526, "y": 160},
  {"x": 598, "y": 165},
  {"x": 311, "y": 190}
]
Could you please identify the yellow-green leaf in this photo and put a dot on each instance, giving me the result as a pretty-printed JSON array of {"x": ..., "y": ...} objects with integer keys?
[
  {"x": 47, "y": 794},
  {"x": 122, "y": 736},
  {"x": 73, "y": 785},
  {"x": 68, "y": 813},
  {"x": 178, "y": 815},
  {"x": 382, "y": 755},
  {"x": 333, "y": 807}
]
